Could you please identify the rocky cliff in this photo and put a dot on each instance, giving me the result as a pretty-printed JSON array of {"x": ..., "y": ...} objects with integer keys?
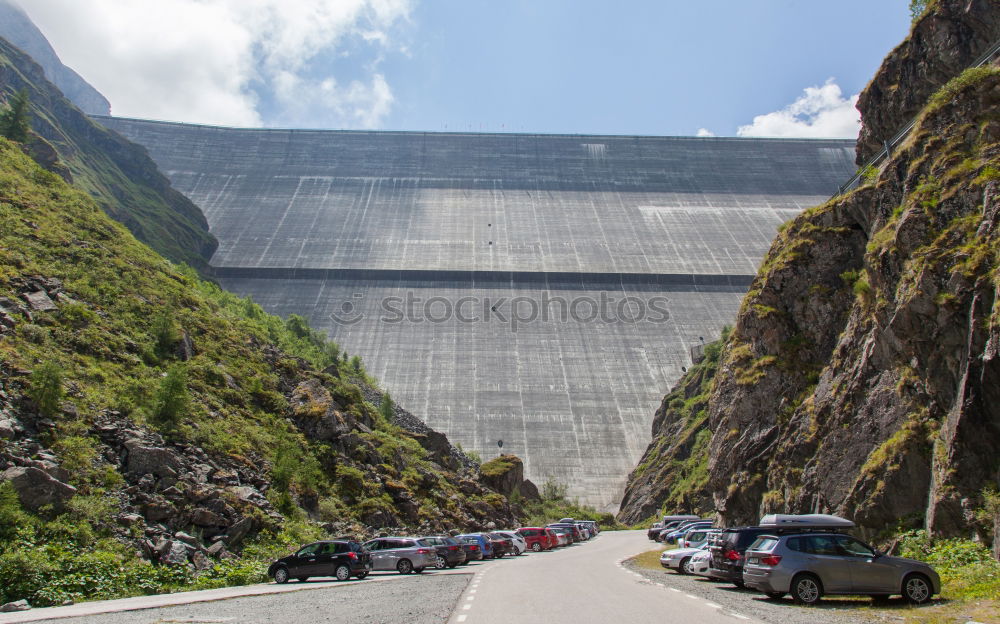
[
  {"x": 117, "y": 173},
  {"x": 860, "y": 376}
]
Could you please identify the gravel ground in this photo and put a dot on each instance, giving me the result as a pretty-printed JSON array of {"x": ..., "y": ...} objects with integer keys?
[
  {"x": 416, "y": 599},
  {"x": 833, "y": 610}
]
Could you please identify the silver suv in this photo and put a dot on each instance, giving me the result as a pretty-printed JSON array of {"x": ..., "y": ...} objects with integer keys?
[
  {"x": 403, "y": 554},
  {"x": 810, "y": 565}
]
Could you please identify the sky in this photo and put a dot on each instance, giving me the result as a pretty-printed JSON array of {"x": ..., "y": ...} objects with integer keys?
[{"x": 789, "y": 68}]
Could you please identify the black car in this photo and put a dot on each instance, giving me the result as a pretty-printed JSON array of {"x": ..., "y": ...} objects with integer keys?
[
  {"x": 340, "y": 559},
  {"x": 501, "y": 545},
  {"x": 449, "y": 552},
  {"x": 728, "y": 552}
]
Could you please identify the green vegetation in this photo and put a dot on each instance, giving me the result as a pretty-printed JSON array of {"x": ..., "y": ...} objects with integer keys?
[
  {"x": 14, "y": 121},
  {"x": 919, "y": 7},
  {"x": 46, "y": 389},
  {"x": 967, "y": 568},
  {"x": 385, "y": 408},
  {"x": 118, "y": 174},
  {"x": 555, "y": 505}
]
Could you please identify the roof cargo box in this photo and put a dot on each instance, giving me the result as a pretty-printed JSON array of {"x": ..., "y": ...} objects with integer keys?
[
  {"x": 806, "y": 521},
  {"x": 667, "y": 519}
]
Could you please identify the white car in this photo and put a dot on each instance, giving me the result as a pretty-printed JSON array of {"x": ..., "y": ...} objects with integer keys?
[
  {"x": 700, "y": 563},
  {"x": 520, "y": 546},
  {"x": 678, "y": 558}
]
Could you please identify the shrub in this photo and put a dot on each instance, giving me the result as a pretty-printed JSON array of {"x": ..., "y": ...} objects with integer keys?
[
  {"x": 385, "y": 408},
  {"x": 172, "y": 399},
  {"x": 46, "y": 389},
  {"x": 14, "y": 122},
  {"x": 164, "y": 332}
]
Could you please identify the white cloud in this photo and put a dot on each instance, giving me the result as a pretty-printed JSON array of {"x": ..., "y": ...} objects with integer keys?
[
  {"x": 705, "y": 132},
  {"x": 232, "y": 62},
  {"x": 821, "y": 112}
]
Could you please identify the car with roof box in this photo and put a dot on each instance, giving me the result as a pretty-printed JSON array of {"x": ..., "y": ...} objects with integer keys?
[
  {"x": 729, "y": 548},
  {"x": 809, "y": 561},
  {"x": 340, "y": 559}
]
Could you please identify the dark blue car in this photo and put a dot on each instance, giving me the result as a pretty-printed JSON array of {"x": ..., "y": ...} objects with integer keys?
[{"x": 478, "y": 538}]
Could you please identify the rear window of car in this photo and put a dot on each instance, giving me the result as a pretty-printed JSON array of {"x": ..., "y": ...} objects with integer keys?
[
  {"x": 695, "y": 536},
  {"x": 765, "y": 544}
]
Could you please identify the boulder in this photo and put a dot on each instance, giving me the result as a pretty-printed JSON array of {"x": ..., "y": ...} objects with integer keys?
[
  {"x": 37, "y": 488},
  {"x": 17, "y": 605},
  {"x": 143, "y": 459},
  {"x": 204, "y": 518},
  {"x": 217, "y": 549},
  {"x": 39, "y": 301},
  {"x": 188, "y": 539},
  {"x": 238, "y": 531},
  {"x": 200, "y": 561},
  {"x": 176, "y": 554},
  {"x": 7, "y": 430}
]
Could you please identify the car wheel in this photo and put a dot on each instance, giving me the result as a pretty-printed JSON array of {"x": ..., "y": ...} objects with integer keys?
[
  {"x": 916, "y": 589},
  {"x": 342, "y": 573},
  {"x": 536, "y": 547},
  {"x": 739, "y": 584},
  {"x": 404, "y": 566},
  {"x": 688, "y": 566},
  {"x": 418, "y": 570},
  {"x": 806, "y": 589},
  {"x": 518, "y": 552},
  {"x": 440, "y": 563},
  {"x": 361, "y": 575},
  {"x": 281, "y": 576},
  {"x": 452, "y": 566},
  {"x": 683, "y": 567},
  {"x": 775, "y": 595}
]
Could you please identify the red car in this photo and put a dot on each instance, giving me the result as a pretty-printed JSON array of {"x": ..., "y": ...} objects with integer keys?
[{"x": 538, "y": 539}]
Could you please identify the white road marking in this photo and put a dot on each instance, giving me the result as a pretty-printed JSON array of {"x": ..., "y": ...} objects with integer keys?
[
  {"x": 674, "y": 589},
  {"x": 462, "y": 617},
  {"x": 466, "y": 607},
  {"x": 713, "y": 605},
  {"x": 737, "y": 615},
  {"x": 692, "y": 597},
  {"x": 470, "y": 598}
]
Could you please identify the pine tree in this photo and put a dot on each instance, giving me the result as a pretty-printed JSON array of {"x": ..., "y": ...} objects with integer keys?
[
  {"x": 385, "y": 408},
  {"x": 14, "y": 122}
]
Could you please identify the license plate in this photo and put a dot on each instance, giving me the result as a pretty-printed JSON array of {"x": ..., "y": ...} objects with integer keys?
[{"x": 753, "y": 560}]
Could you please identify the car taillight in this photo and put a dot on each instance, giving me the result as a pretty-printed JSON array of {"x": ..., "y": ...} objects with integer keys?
[
  {"x": 771, "y": 560},
  {"x": 423, "y": 551},
  {"x": 473, "y": 547},
  {"x": 453, "y": 548},
  {"x": 352, "y": 555},
  {"x": 732, "y": 555}
]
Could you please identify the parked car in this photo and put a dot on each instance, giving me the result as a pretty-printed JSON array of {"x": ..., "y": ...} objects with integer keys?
[
  {"x": 701, "y": 563},
  {"x": 680, "y": 558},
  {"x": 553, "y": 537},
  {"x": 654, "y": 530},
  {"x": 537, "y": 538},
  {"x": 403, "y": 554},
  {"x": 812, "y": 565},
  {"x": 473, "y": 552},
  {"x": 593, "y": 526},
  {"x": 450, "y": 553},
  {"x": 563, "y": 535},
  {"x": 484, "y": 543},
  {"x": 694, "y": 538},
  {"x": 667, "y": 528},
  {"x": 501, "y": 545},
  {"x": 340, "y": 559},
  {"x": 585, "y": 530},
  {"x": 728, "y": 549},
  {"x": 673, "y": 536},
  {"x": 574, "y": 530},
  {"x": 518, "y": 545}
]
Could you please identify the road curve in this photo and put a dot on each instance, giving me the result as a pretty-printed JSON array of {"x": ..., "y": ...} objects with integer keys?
[{"x": 582, "y": 583}]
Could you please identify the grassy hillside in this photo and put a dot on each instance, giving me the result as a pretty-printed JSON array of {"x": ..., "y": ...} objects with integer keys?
[
  {"x": 117, "y": 173},
  {"x": 178, "y": 410}
]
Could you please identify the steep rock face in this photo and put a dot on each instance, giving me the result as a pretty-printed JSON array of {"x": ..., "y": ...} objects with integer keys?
[
  {"x": 873, "y": 398},
  {"x": 17, "y": 28},
  {"x": 117, "y": 173},
  {"x": 673, "y": 471},
  {"x": 942, "y": 43}
]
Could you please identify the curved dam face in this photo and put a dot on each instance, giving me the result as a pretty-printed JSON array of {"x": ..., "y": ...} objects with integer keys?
[{"x": 542, "y": 290}]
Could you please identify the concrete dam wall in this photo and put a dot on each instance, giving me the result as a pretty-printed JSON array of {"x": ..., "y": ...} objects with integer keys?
[{"x": 543, "y": 290}]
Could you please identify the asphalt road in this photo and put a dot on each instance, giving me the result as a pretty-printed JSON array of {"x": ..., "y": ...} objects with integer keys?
[{"x": 583, "y": 583}]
